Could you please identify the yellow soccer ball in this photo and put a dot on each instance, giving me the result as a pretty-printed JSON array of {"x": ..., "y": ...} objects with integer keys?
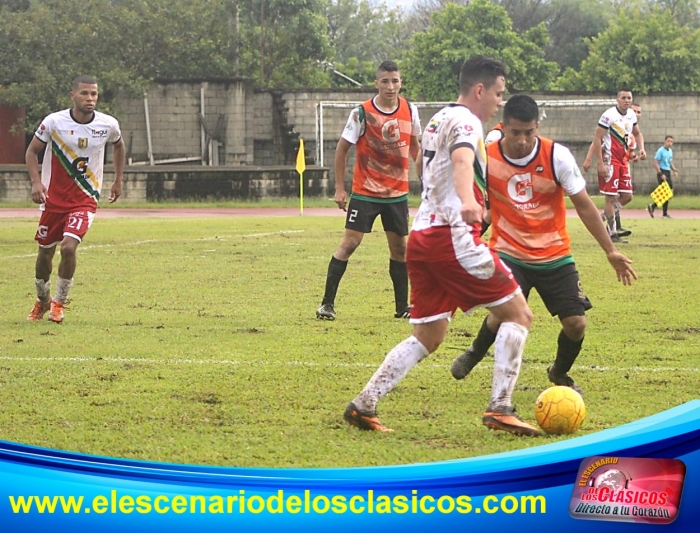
[{"x": 560, "y": 410}]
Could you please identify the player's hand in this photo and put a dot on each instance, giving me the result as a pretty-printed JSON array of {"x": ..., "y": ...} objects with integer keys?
[
  {"x": 39, "y": 195},
  {"x": 471, "y": 211},
  {"x": 586, "y": 165},
  {"x": 115, "y": 192},
  {"x": 341, "y": 198},
  {"x": 633, "y": 156},
  {"x": 602, "y": 171},
  {"x": 623, "y": 267},
  {"x": 642, "y": 154}
]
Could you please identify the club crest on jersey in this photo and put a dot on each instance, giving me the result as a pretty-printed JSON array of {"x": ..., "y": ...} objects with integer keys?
[
  {"x": 80, "y": 165},
  {"x": 82, "y": 143},
  {"x": 520, "y": 190},
  {"x": 390, "y": 131}
]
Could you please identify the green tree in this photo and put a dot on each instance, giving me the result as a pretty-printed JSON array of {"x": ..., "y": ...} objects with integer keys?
[
  {"x": 647, "y": 52},
  {"x": 458, "y": 32},
  {"x": 286, "y": 42}
]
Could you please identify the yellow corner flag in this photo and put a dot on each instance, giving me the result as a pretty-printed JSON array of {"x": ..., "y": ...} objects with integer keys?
[
  {"x": 301, "y": 167},
  {"x": 661, "y": 194}
]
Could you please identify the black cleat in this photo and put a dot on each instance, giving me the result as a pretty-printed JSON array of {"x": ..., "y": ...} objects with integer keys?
[
  {"x": 624, "y": 232},
  {"x": 463, "y": 365},
  {"x": 563, "y": 380},
  {"x": 326, "y": 312},
  {"x": 406, "y": 313}
]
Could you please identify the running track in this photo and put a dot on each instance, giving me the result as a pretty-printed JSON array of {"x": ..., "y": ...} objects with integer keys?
[{"x": 219, "y": 212}]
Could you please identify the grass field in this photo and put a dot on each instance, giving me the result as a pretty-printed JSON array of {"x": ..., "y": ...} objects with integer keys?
[{"x": 194, "y": 341}]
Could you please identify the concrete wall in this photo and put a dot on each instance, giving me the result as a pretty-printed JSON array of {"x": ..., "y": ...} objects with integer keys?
[
  {"x": 263, "y": 128},
  {"x": 186, "y": 182}
]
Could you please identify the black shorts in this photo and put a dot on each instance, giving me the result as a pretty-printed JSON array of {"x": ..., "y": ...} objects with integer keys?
[
  {"x": 559, "y": 288},
  {"x": 666, "y": 173},
  {"x": 362, "y": 213}
]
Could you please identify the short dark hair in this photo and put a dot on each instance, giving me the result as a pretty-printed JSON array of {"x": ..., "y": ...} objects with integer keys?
[
  {"x": 521, "y": 107},
  {"x": 480, "y": 69},
  {"x": 88, "y": 80},
  {"x": 668, "y": 137},
  {"x": 388, "y": 66},
  {"x": 623, "y": 90}
]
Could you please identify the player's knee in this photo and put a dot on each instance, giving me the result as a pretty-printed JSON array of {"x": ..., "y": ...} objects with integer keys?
[
  {"x": 574, "y": 326},
  {"x": 69, "y": 247}
]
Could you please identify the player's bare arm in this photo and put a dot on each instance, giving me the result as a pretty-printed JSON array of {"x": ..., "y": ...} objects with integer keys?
[
  {"x": 416, "y": 155},
  {"x": 640, "y": 141},
  {"x": 589, "y": 158},
  {"x": 598, "y": 151},
  {"x": 463, "y": 176},
  {"x": 119, "y": 158},
  {"x": 32, "y": 160},
  {"x": 341, "y": 156},
  {"x": 589, "y": 215}
]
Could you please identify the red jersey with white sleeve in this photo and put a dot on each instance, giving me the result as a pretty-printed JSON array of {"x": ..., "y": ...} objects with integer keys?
[{"x": 73, "y": 163}]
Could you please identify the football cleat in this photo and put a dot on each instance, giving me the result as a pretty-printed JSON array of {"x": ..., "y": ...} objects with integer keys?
[
  {"x": 622, "y": 232},
  {"x": 506, "y": 419},
  {"x": 651, "y": 208},
  {"x": 464, "y": 364},
  {"x": 326, "y": 312},
  {"x": 406, "y": 313},
  {"x": 56, "y": 313},
  {"x": 364, "y": 420},
  {"x": 39, "y": 310},
  {"x": 563, "y": 380}
]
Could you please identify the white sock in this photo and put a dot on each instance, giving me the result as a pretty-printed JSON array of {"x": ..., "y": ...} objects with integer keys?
[
  {"x": 508, "y": 355},
  {"x": 62, "y": 289},
  {"x": 402, "y": 358},
  {"x": 43, "y": 290}
]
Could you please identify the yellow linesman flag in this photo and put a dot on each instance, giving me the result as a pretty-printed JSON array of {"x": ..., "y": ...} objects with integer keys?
[
  {"x": 301, "y": 160},
  {"x": 662, "y": 194}
]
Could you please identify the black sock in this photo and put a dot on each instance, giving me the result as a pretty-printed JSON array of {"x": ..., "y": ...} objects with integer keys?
[
  {"x": 665, "y": 207},
  {"x": 484, "y": 340},
  {"x": 567, "y": 352},
  {"x": 399, "y": 277},
  {"x": 336, "y": 269},
  {"x": 618, "y": 224}
]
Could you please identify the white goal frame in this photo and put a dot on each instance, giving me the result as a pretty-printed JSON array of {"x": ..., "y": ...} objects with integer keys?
[{"x": 337, "y": 104}]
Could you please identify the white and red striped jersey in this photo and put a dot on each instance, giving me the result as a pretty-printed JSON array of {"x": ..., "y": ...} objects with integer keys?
[{"x": 74, "y": 159}]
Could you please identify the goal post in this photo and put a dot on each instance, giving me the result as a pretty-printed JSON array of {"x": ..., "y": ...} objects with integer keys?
[{"x": 325, "y": 114}]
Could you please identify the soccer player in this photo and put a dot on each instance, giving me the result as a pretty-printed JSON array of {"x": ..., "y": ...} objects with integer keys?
[
  {"x": 448, "y": 265},
  {"x": 528, "y": 177},
  {"x": 68, "y": 187},
  {"x": 611, "y": 148},
  {"x": 495, "y": 135},
  {"x": 385, "y": 131},
  {"x": 632, "y": 157}
]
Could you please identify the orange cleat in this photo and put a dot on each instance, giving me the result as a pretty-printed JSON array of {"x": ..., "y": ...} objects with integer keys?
[
  {"x": 363, "y": 419},
  {"x": 56, "y": 313},
  {"x": 506, "y": 420},
  {"x": 39, "y": 310}
]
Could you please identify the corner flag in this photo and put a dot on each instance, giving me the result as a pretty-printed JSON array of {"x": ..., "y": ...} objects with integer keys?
[{"x": 301, "y": 167}]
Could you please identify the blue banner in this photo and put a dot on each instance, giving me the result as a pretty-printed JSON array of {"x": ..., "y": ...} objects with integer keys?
[{"x": 530, "y": 489}]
